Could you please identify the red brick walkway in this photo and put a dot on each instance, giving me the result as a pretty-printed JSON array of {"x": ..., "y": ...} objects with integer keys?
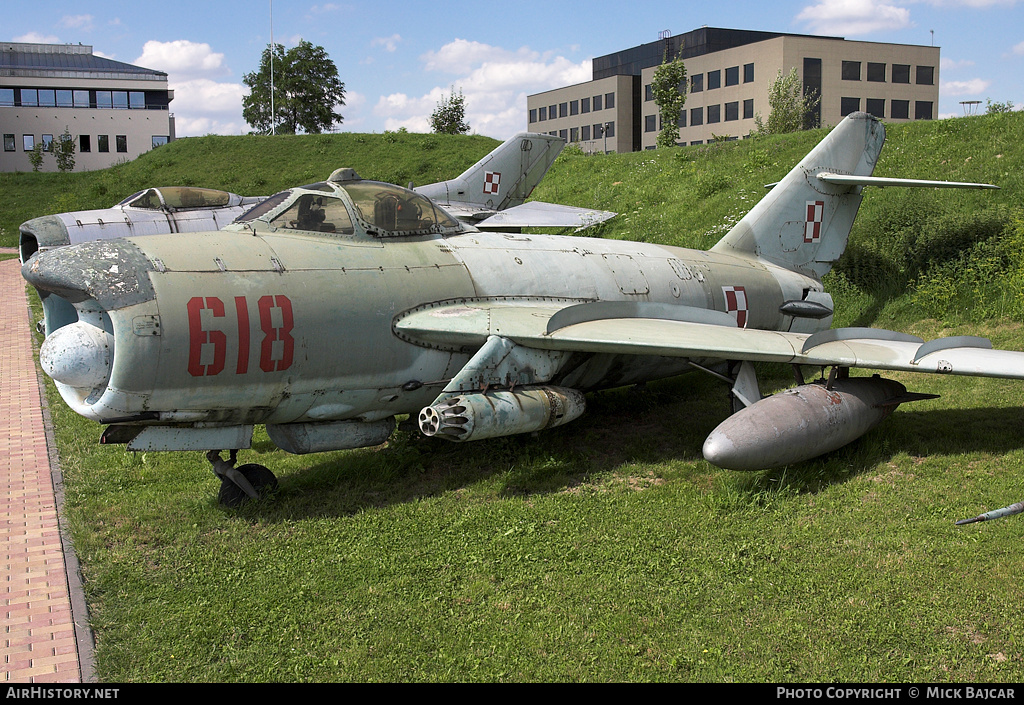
[{"x": 39, "y": 631}]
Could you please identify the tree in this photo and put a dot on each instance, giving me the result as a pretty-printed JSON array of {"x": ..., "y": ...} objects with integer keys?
[
  {"x": 669, "y": 89},
  {"x": 64, "y": 151},
  {"x": 788, "y": 106},
  {"x": 35, "y": 156},
  {"x": 306, "y": 91},
  {"x": 993, "y": 107},
  {"x": 450, "y": 116}
]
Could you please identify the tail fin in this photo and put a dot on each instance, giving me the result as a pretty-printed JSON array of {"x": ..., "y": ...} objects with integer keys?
[
  {"x": 504, "y": 178},
  {"x": 804, "y": 222}
]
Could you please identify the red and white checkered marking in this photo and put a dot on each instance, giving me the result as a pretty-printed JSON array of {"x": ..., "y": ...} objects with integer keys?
[
  {"x": 492, "y": 180},
  {"x": 736, "y": 303},
  {"x": 812, "y": 227}
]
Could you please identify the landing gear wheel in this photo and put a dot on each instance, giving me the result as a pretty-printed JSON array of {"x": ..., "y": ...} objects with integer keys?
[{"x": 261, "y": 479}]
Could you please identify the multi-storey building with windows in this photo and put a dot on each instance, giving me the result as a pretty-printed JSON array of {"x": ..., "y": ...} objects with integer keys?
[
  {"x": 729, "y": 74},
  {"x": 112, "y": 110}
]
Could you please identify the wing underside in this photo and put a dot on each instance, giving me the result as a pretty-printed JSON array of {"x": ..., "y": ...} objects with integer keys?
[{"x": 676, "y": 331}]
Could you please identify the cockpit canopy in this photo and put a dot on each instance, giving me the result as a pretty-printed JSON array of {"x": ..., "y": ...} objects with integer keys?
[
  {"x": 178, "y": 198},
  {"x": 348, "y": 205}
]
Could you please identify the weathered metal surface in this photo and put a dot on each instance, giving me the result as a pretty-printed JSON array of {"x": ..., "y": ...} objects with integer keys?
[
  {"x": 471, "y": 417},
  {"x": 1012, "y": 509},
  {"x": 802, "y": 423}
]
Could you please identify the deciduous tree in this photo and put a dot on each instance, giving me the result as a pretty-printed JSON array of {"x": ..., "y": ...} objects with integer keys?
[
  {"x": 787, "y": 105},
  {"x": 450, "y": 116},
  {"x": 669, "y": 89},
  {"x": 306, "y": 91}
]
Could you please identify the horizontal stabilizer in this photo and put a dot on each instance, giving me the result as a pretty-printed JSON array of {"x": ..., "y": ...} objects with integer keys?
[
  {"x": 881, "y": 181},
  {"x": 538, "y": 214}
]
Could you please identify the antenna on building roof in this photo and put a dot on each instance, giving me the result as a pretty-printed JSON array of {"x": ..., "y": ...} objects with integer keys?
[{"x": 665, "y": 34}]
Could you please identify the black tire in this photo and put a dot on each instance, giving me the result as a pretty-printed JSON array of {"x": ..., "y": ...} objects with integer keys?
[{"x": 261, "y": 479}]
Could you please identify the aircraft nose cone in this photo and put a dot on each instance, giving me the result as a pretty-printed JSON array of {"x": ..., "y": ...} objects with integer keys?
[
  {"x": 721, "y": 452},
  {"x": 78, "y": 355}
]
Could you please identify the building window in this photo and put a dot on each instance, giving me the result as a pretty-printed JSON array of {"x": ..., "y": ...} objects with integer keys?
[
  {"x": 122, "y": 142},
  {"x": 159, "y": 140},
  {"x": 137, "y": 100},
  {"x": 29, "y": 97},
  {"x": 552, "y": 112},
  {"x": 926, "y": 75},
  {"x": 585, "y": 133},
  {"x": 81, "y": 99},
  {"x": 732, "y": 76},
  {"x": 697, "y": 83},
  {"x": 651, "y": 123},
  {"x": 609, "y": 129},
  {"x": 696, "y": 116},
  {"x": 714, "y": 113},
  {"x": 609, "y": 101},
  {"x": 543, "y": 113},
  {"x": 574, "y": 134},
  {"x": 47, "y": 143},
  {"x": 574, "y": 107},
  {"x": 876, "y": 106},
  {"x": 596, "y": 103},
  {"x": 748, "y": 109},
  {"x": 682, "y": 118},
  {"x": 732, "y": 111},
  {"x": 9, "y": 143},
  {"x": 598, "y": 131},
  {"x": 584, "y": 105},
  {"x": 103, "y": 143},
  {"x": 47, "y": 98},
  {"x": 851, "y": 70},
  {"x": 7, "y": 97},
  {"x": 564, "y": 134},
  {"x": 901, "y": 73},
  {"x": 714, "y": 80},
  {"x": 563, "y": 110},
  {"x": 28, "y": 142},
  {"x": 900, "y": 109},
  {"x": 648, "y": 93},
  {"x": 876, "y": 72},
  {"x": 849, "y": 105},
  {"x": 533, "y": 115},
  {"x": 84, "y": 144},
  {"x": 104, "y": 100},
  {"x": 120, "y": 100},
  {"x": 64, "y": 99},
  {"x": 923, "y": 110},
  {"x": 748, "y": 73}
]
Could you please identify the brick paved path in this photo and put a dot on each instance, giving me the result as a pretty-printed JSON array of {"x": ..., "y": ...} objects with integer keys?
[{"x": 40, "y": 644}]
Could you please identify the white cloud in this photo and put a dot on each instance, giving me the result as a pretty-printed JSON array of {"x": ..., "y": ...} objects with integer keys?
[
  {"x": 37, "y": 38},
  {"x": 389, "y": 43},
  {"x": 202, "y": 106},
  {"x": 952, "y": 64},
  {"x": 853, "y": 17},
  {"x": 493, "y": 80},
  {"x": 183, "y": 60},
  {"x": 1018, "y": 49},
  {"x": 82, "y": 22},
  {"x": 975, "y": 86}
]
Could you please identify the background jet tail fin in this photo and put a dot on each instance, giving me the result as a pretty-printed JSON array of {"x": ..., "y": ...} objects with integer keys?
[
  {"x": 505, "y": 177},
  {"x": 804, "y": 222}
]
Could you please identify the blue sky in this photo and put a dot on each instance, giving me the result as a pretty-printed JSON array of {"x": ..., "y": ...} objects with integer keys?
[{"x": 398, "y": 59}]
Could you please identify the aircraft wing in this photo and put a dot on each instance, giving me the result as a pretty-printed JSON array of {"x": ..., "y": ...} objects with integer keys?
[
  {"x": 644, "y": 328},
  {"x": 535, "y": 214}
]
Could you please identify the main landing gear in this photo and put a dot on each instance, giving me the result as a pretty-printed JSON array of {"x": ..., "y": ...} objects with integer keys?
[{"x": 238, "y": 485}]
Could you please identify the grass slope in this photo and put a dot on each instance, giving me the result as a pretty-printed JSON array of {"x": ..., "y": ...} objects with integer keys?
[{"x": 609, "y": 549}]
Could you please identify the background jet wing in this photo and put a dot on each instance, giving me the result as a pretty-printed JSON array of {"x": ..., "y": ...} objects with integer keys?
[
  {"x": 678, "y": 331},
  {"x": 538, "y": 214}
]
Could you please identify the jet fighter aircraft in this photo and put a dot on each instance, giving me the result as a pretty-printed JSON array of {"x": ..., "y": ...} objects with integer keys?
[
  {"x": 330, "y": 309},
  {"x": 490, "y": 194}
]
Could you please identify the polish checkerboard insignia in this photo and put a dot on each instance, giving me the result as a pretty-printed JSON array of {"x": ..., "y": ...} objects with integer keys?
[
  {"x": 812, "y": 226},
  {"x": 492, "y": 180},
  {"x": 736, "y": 303}
]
